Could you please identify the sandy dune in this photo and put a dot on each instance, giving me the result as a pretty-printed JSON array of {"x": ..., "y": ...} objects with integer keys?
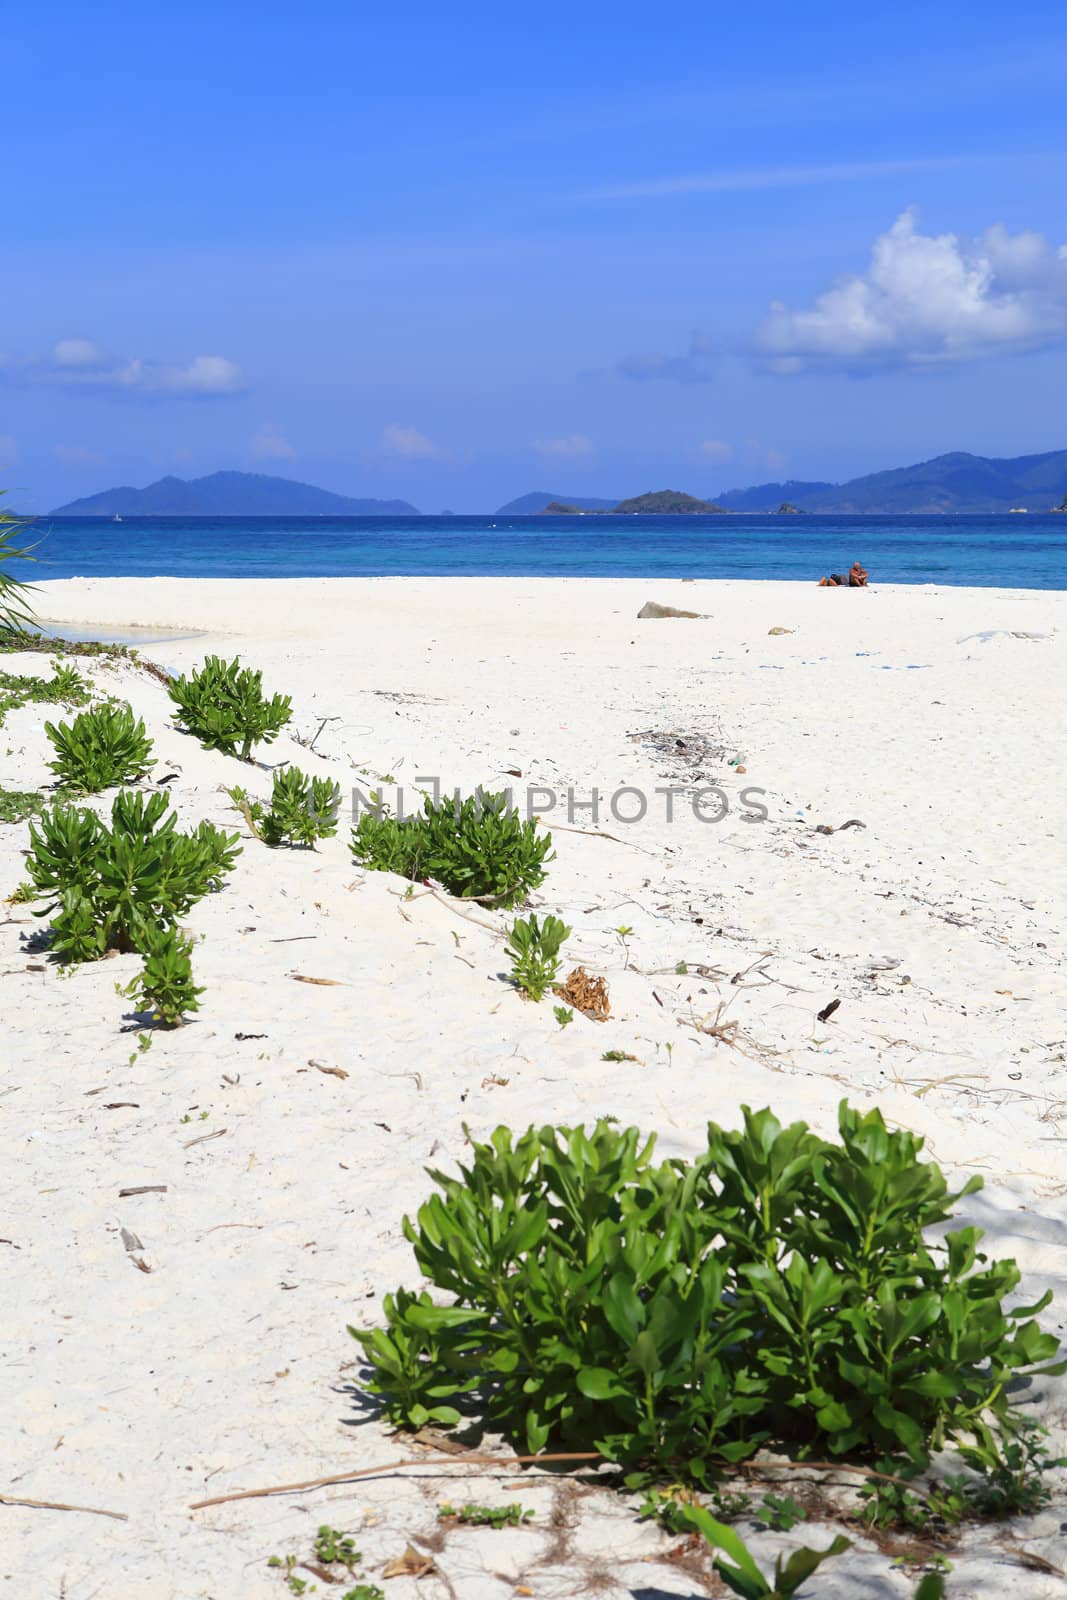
[{"x": 933, "y": 717}]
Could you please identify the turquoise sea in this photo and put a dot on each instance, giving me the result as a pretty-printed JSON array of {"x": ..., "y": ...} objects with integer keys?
[{"x": 1017, "y": 551}]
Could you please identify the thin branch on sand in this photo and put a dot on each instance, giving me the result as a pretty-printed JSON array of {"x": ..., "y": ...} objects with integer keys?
[{"x": 58, "y": 1505}]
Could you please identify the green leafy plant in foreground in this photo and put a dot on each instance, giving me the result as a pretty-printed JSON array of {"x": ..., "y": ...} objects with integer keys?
[
  {"x": 741, "y": 1574},
  {"x": 476, "y": 849},
  {"x": 104, "y": 746},
  {"x": 165, "y": 986},
  {"x": 224, "y": 706},
  {"x": 302, "y": 809},
  {"x": 534, "y": 949},
  {"x": 677, "y": 1315},
  {"x": 113, "y": 888}
]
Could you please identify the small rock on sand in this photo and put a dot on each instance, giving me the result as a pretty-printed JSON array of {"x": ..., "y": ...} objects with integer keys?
[{"x": 652, "y": 608}]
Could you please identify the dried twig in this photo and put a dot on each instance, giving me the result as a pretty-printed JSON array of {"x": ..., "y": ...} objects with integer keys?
[
  {"x": 58, "y": 1505},
  {"x": 393, "y": 1466}
]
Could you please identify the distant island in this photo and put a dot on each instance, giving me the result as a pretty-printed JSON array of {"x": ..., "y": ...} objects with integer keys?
[
  {"x": 958, "y": 482},
  {"x": 661, "y": 502},
  {"x": 951, "y": 483},
  {"x": 229, "y": 494}
]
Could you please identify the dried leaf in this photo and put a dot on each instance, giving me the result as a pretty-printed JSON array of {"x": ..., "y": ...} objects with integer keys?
[
  {"x": 586, "y": 994},
  {"x": 412, "y": 1564},
  {"x": 326, "y": 983}
]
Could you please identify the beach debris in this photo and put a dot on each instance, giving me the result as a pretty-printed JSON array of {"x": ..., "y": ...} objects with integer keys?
[
  {"x": 326, "y": 983},
  {"x": 58, "y": 1505},
  {"x": 143, "y": 1188},
  {"x": 587, "y": 995},
  {"x": 652, "y": 609},
  {"x": 686, "y": 753},
  {"x": 827, "y": 1011},
  {"x": 333, "y": 1072},
  {"x": 773, "y": 631},
  {"x": 412, "y": 1564},
  {"x": 620, "y": 1055},
  {"x": 204, "y": 1137},
  {"x": 130, "y": 1240},
  {"x": 824, "y": 827}
]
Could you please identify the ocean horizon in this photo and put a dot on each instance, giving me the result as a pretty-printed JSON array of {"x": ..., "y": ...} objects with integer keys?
[{"x": 993, "y": 551}]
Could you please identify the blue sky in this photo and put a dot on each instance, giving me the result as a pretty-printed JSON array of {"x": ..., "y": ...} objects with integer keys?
[{"x": 455, "y": 253}]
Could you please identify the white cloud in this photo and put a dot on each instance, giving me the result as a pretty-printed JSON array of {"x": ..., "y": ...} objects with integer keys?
[
  {"x": 716, "y": 450},
  {"x": 568, "y": 449},
  {"x": 270, "y": 444},
  {"x": 8, "y": 452},
  {"x": 927, "y": 301},
  {"x": 76, "y": 455},
  {"x": 410, "y": 444},
  {"x": 80, "y": 364},
  {"x": 744, "y": 180}
]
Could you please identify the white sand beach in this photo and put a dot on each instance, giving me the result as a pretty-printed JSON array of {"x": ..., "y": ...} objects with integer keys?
[{"x": 290, "y": 1122}]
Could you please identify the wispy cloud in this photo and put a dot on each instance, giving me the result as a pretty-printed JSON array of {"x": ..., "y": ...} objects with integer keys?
[
  {"x": 927, "y": 301},
  {"x": 569, "y": 449},
  {"x": 79, "y": 364},
  {"x": 76, "y": 455},
  {"x": 270, "y": 444},
  {"x": 716, "y": 450},
  {"x": 696, "y": 365},
  {"x": 738, "y": 181},
  {"x": 410, "y": 444}
]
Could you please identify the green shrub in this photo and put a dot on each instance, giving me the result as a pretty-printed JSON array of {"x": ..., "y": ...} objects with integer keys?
[
  {"x": 302, "y": 809},
  {"x": 678, "y": 1315},
  {"x": 478, "y": 849},
  {"x": 101, "y": 747},
  {"x": 165, "y": 984},
  {"x": 114, "y": 888},
  {"x": 534, "y": 950},
  {"x": 223, "y": 705}
]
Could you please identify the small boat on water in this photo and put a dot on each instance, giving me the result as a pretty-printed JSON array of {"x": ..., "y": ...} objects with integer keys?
[{"x": 116, "y": 517}]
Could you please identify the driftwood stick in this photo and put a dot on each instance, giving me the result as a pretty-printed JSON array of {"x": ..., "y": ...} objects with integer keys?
[
  {"x": 392, "y": 1466},
  {"x": 57, "y": 1505}
]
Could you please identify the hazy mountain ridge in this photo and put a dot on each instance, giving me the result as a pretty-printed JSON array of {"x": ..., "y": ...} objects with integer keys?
[
  {"x": 957, "y": 482},
  {"x": 228, "y": 494},
  {"x": 534, "y": 503}
]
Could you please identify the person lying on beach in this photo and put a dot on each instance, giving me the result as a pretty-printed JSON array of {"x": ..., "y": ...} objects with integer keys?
[{"x": 854, "y": 578}]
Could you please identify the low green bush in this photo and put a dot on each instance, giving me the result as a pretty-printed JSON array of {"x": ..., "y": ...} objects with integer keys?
[
  {"x": 114, "y": 888},
  {"x": 779, "y": 1289},
  {"x": 223, "y": 705},
  {"x": 477, "y": 849},
  {"x": 66, "y": 686},
  {"x": 104, "y": 746},
  {"x": 534, "y": 949},
  {"x": 165, "y": 984},
  {"x": 18, "y": 804},
  {"x": 301, "y": 810}
]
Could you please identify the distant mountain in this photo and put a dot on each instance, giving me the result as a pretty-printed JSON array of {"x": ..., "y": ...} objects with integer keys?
[
  {"x": 952, "y": 483},
  {"x": 532, "y": 505},
  {"x": 229, "y": 494}
]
